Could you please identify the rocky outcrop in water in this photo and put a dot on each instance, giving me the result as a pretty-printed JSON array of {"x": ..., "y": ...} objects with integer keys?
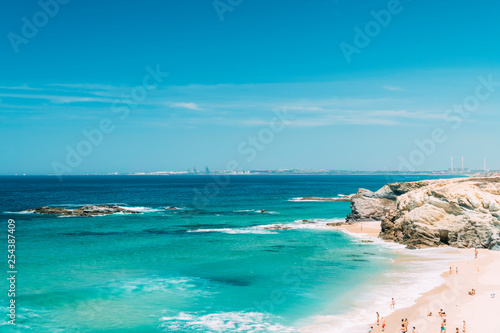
[
  {"x": 461, "y": 212},
  {"x": 85, "y": 211},
  {"x": 277, "y": 227}
]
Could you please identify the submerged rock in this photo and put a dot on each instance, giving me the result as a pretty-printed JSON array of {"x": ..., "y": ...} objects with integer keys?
[
  {"x": 462, "y": 212},
  {"x": 84, "y": 211},
  {"x": 278, "y": 227},
  {"x": 335, "y": 224}
]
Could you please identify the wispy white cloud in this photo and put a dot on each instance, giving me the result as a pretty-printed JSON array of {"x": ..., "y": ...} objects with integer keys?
[
  {"x": 393, "y": 88},
  {"x": 22, "y": 87},
  {"x": 406, "y": 114},
  {"x": 302, "y": 108},
  {"x": 313, "y": 104},
  {"x": 84, "y": 86},
  {"x": 190, "y": 106},
  {"x": 59, "y": 99},
  {"x": 325, "y": 120}
]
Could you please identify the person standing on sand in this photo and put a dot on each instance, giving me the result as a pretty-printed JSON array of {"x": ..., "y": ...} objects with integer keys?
[
  {"x": 404, "y": 325},
  {"x": 414, "y": 330},
  {"x": 378, "y": 319},
  {"x": 370, "y": 330},
  {"x": 475, "y": 253},
  {"x": 383, "y": 324},
  {"x": 464, "y": 326}
]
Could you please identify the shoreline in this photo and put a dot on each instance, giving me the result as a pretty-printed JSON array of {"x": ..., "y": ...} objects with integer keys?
[
  {"x": 478, "y": 311},
  {"x": 451, "y": 294}
]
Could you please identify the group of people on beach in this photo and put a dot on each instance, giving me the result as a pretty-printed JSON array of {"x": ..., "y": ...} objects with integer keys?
[
  {"x": 405, "y": 323},
  {"x": 381, "y": 321},
  {"x": 404, "y": 326},
  {"x": 441, "y": 313}
]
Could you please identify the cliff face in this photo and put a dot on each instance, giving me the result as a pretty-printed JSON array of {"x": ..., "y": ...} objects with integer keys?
[{"x": 463, "y": 212}]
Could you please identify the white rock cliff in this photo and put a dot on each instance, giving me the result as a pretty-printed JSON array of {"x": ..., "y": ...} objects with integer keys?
[{"x": 461, "y": 212}]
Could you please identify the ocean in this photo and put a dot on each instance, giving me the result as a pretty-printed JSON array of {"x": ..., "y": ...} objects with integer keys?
[{"x": 213, "y": 264}]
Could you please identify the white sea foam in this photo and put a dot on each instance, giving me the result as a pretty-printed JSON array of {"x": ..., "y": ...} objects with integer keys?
[
  {"x": 223, "y": 322},
  {"x": 141, "y": 209},
  {"x": 21, "y": 212},
  {"x": 360, "y": 237},
  {"x": 258, "y": 211},
  {"x": 150, "y": 285},
  {"x": 235, "y": 231},
  {"x": 74, "y": 206},
  {"x": 301, "y": 199},
  {"x": 273, "y": 228},
  {"x": 304, "y": 224}
]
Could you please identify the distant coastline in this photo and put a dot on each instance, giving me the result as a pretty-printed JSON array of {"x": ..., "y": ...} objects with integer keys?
[
  {"x": 279, "y": 172},
  {"x": 307, "y": 172}
]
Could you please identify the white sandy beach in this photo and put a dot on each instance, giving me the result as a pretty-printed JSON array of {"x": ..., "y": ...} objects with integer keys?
[{"x": 480, "y": 312}]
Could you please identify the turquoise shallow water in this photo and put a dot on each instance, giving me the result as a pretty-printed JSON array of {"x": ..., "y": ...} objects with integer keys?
[{"x": 209, "y": 266}]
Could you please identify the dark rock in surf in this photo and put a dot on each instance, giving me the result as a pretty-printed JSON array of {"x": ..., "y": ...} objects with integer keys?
[{"x": 85, "y": 211}]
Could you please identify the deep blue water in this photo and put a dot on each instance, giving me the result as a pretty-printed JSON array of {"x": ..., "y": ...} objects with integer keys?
[{"x": 209, "y": 266}]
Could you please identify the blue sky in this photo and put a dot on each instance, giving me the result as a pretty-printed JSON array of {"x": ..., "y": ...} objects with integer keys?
[{"x": 229, "y": 78}]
